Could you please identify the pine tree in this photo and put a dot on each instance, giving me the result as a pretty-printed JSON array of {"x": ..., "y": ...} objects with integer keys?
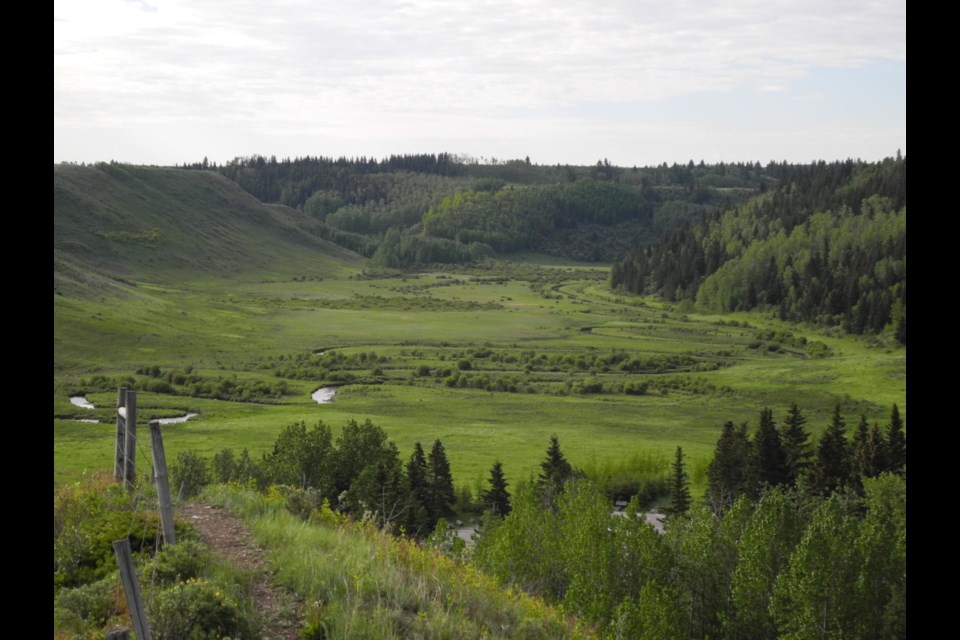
[
  {"x": 497, "y": 499},
  {"x": 868, "y": 450},
  {"x": 679, "y": 488},
  {"x": 555, "y": 471},
  {"x": 442, "y": 494},
  {"x": 896, "y": 445},
  {"x": 417, "y": 519},
  {"x": 727, "y": 474},
  {"x": 832, "y": 469},
  {"x": 770, "y": 466},
  {"x": 796, "y": 444}
]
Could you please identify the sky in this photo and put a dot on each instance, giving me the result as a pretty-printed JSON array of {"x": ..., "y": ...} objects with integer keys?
[{"x": 559, "y": 81}]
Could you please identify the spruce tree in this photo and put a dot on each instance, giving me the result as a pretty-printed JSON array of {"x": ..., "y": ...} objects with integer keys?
[
  {"x": 832, "y": 470},
  {"x": 442, "y": 494},
  {"x": 770, "y": 468},
  {"x": 497, "y": 499},
  {"x": 417, "y": 517},
  {"x": 896, "y": 445},
  {"x": 554, "y": 472},
  {"x": 796, "y": 444},
  {"x": 868, "y": 450},
  {"x": 679, "y": 488},
  {"x": 727, "y": 475}
]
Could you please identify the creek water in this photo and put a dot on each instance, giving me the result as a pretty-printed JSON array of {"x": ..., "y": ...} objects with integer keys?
[{"x": 324, "y": 395}]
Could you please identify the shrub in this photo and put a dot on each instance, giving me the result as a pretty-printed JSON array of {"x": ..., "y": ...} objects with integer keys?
[
  {"x": 198, "y": 610},
  {"x": 182, "y": 561},
  {"x": 93, "y": 603},
  {"x": 189, "y": 474}
]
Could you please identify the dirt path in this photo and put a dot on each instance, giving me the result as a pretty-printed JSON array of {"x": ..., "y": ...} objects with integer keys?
[{"x": 279, "y": 613}]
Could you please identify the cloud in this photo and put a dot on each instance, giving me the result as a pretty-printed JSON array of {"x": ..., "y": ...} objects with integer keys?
[{"x": 294, "y": 63}]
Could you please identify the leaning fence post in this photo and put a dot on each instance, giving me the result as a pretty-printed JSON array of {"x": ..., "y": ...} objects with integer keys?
[
  {"x": 121, "y": 436},
  {"x": 163, "y": 484},
  {"x": 131, "y": 588},
  {"x": 130, "y": 442}
]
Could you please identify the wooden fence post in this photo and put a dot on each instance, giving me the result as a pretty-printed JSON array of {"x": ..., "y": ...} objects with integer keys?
[
  {"x": 130, "y": 442},
  {"x": 163, "y": 484},
  {"x": 121, "y": 436},
  {"x": 131, "y": 588}
]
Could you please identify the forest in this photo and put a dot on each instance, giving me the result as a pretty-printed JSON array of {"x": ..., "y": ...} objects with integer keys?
[{"x": 666, "y": 401}]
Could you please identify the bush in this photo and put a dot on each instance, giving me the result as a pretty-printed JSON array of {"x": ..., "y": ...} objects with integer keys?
[
  {"x": 198, "y": 610},
  {"x": 93, "y": 603},
  {"x": 189, "y": 474},
  {"x": 182, "y": 561}
]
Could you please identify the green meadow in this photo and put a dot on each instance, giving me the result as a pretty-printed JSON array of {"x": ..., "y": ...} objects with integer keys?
[
  {"x": 185, "y": 287},
  {"x": 545, "y": 350}
]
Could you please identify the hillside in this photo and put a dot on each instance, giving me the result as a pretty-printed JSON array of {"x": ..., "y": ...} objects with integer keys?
[
  {"x": 114, "y": 222},
  {"x": 828, "y": 245},
  {"x": 421, "y": 209}
]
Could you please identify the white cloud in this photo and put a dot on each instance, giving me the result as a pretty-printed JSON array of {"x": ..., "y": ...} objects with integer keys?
[{"x": 294, "y": 65}]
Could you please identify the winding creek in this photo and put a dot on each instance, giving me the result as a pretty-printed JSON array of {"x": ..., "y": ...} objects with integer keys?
[
  {"x": 80, "y": 401},
  {"x": 324, "y": 395}
]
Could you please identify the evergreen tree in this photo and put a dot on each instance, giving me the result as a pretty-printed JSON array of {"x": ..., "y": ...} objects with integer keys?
[
  {"x": 796, "y": 444},
  {"x": 833, "y": 459},
  {"x": 442, "y": 496},
  {"x": 769, "y": 459},
  {"x": 555, "y": 471},
  {"x": 417, "y": 519},
  {"x": 679, "y": 488},
  {"x": 497, "y": 499},
  {"x": 896, "y": 449},
  {"x": 727, "y": 475},
  {"x": 868, "y": 450},
  {"x": 379, "y": 492}
]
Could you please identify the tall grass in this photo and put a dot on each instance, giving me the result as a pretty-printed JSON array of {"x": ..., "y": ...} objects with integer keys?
[{"x": 365, "y": 584}]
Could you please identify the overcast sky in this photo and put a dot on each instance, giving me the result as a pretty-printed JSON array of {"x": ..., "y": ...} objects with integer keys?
[{"x": 562, "y": 81}]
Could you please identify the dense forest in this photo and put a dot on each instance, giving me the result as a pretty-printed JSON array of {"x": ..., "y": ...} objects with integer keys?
[
  {"x": 826, "y": 245},
  {"x": 419, "y": 209}
]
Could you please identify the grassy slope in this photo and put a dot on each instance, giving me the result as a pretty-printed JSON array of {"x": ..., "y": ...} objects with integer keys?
[{"x": 220, "y": 310}]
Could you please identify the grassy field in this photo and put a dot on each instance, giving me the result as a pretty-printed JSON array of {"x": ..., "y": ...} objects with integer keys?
[
  {"x": 544, "y": 350},
  {"x": 186, "y": 287}
]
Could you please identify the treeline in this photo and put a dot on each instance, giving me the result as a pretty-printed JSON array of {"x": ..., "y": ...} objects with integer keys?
[
  {"x": 828, "y": 245},
  {"x": 360, "y": 474},
  {"x": 788, "y": 542},
  {"x": 449, "y": 209},
  {"x": 292, "y": 181}
]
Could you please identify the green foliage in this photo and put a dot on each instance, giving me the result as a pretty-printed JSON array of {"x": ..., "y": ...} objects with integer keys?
[
  {"x": 301, "y": 457},
  {"x": 768, "y": 460},
  {"x": 828, "y": 245},
  {"x": 796, "y": 444},
  {"x": 764, "y": 549},
  {"x": 91, "y": 604},
  {"x": 554, "y": 473},
  {"x": 440, "y": 492},
  {"x": 496, "y": 499},
  {"x": 728, "y": 476},
  {"x": 896, "y": 443},
  {"x": 179, "y": 562},
  {"x": 679, "y": 487},
  {"x": 833, "y": 469},
  {"x": 813, "y": 597},
  {"x": 199, "y": 610},
  {"x": 189, "y": 474}
]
